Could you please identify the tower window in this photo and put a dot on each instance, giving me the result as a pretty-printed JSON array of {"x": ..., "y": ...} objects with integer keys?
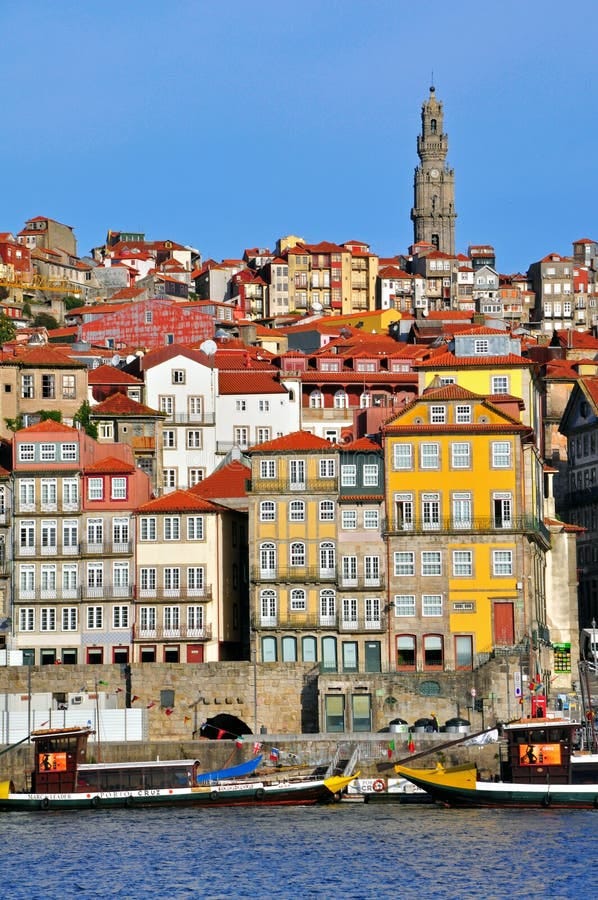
[
  {"x": 433, "y": 126},
  {"x": 435, "y": 241}
]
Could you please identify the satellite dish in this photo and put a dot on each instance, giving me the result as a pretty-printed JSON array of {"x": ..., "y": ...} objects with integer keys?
[
  {"x": 209, "y": 347},
  {"x": 425, "y": 313},
  {"x": 317, "y": 306},
  {"x": 130, "y": 359},
  {"x": 115, "y": 360}
]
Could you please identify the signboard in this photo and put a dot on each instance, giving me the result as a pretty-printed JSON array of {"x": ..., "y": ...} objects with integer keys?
[
  {"x": 540, "y": 755},
  {"x": 52, "y": 762},
  {"x": 517, "y": 683}
]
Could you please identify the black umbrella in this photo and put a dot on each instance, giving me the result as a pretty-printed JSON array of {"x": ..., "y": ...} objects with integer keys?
[{"x": 224, "y": 727}]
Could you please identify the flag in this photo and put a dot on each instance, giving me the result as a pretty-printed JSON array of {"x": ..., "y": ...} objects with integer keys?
[
  {"x": 134, "y": 698},
  {"x": 118, "y": 691},
  {"x": 256, "y": 748},
  {"x": 186, "y": 720},
  {"x": 220, "y": 735},
  {"x": 274, "y": 754},
  {"x": 411, "y": 746},
  {"x": 391, "y": 747},
  {"x": 239, "y": 741},
  {"x": 169, "y": 712},
  {"x": 149, "y": 705}
]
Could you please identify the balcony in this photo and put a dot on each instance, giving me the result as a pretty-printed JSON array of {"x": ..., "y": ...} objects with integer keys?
[
  {"x": 188, "y": 418},
  {"x": 361, "y": 582},
  {"x": 319, "y": 414},
  {"x": 337, "y": 623},
  {"x": 37, "y": 550},
  {"x": 284, "y": 486},
  {"x": 106, "y": 548},
  {"x": 516, "y": 524},
  {"x": 107, "y": 592},
  {"x": 294, "y": 575},
  {"x": 168, "y": 594},
  {"x": 181, "y": 632}
]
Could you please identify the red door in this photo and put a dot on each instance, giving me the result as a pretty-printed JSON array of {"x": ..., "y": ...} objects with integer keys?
[
  {"x": 504, "y": 624},
  {"x": 194, "y": 653}
]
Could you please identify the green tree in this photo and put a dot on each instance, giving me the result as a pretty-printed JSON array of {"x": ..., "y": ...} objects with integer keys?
[
  {"x": 14, "y": 424},
  {"x": 82, "y": 417},
  {"x": 45, "y": 320},
  {"x": 8, "y": 329},
  {"x": 72, "y": 302},
  {"x": 53, "y": 414}
]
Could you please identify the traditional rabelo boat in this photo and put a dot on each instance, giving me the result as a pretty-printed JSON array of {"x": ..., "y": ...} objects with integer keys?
[
  {"x": 62, "y": 779},
  {"x": 541, "y": 765}
]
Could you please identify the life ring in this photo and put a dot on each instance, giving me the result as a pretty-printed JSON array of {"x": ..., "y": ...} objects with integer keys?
[
  {"x": 94, "y": 802},
  {"x": 44, "y": 804},
  {"x": 260, "y": 794},
  {"x": 214, "y": 795},
  {"x": 378, "y": 786}
]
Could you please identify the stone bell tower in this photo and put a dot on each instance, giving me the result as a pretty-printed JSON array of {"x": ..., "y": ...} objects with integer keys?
[{"x": 433, "y": 214}]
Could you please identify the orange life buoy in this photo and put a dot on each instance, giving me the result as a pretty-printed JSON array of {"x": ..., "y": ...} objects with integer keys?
[{"x": 378, "y": 785}]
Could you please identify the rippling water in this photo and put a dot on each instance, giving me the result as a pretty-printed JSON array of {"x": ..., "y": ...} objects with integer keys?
[{"x": 349, "y": 851}]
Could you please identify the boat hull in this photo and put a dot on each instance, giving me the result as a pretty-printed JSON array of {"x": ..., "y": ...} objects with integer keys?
[
  {"x": 459, "y": 787},
  {"x": 255, "y": 793}
]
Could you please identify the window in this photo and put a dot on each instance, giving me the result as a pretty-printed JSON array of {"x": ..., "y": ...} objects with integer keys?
[
  {"x": 47, "y": 619},
  {"x": 404, "y": 604},
  {"x": 349, "y": 570},
  {"x": 268, "y": 607},
  {"x": 172, "y": 528},
  {"x": 95, "y": 577},
  {"x": 27, "y": 392},
  {"x": 119, "y": 489},
  {"x": 370, "y": 475},
  {"x": 263, "y": 406},
  {"x": 502, "y": 510},
  {"x": 166, "y": 405},
  {"x": 267, "y": 511},
  {"x": 178, "y": 376},
  {"x": 297, "y": 554},
  {"x": 95, "y": 532},
  {"x": 169, "y": 479},
  {"x": 26, "y": 494},
  {"x": 438, "y": 415},
  {"x": 348, "y": 476},
  {"x": 430, "y": 456},
  {"x": 95, "y": 489},
  {"x": 195, "y": 528},
  {"x": 461, "y": 455},
  {"x": 148, "y": 316},
  {"x": 27, "y": 619},
  {"x": 147, "y": 619},
  {"x": 404, "y": 563},
  {"x": 47, "y": 452},
  {"x": 431, "y": 604},
  {"x": 316, "y": 400},
  {"x": 195, "y": 476},
  {"x": 501, "y": 455},
  {"x": 70, "y": 493},
  {"x": 49, "y": 539},
  {"x": 172, "y": 580},
  {"x": 241, "y": 436},
  {"x": 431, "y": 511},
  {"x": 371, "y": 518},
  {"x": 195, "y": 581},
  {"x": 195, "y": 619},
  {"x": 120, "y": 579},
  {"x": 268, "y": 468},
  {"x": 120, "y": 616},
  {"x": 327, "y": 607},
  {"x": 195, "y": 406},
  {"x": 267, "y": 560},
  {"x": 433, "y": 651},
  {"x": 95, "y": 617},
  {"x": 500, "y": 384},
  {"x": 241, "y": 405},
  {"x": 341, "y": 400},
  {"x": 402, "y": 456},
  {"x": 327, "y": 468},
  {"x": 297, "y": 474},
  {"x": 26, "y": 452},
  {"x": 148, "y": 580},
  {"x": 26, "y": 580},
  {"x": 502, "y": 562},
  {"x": 194, "y": 439},
  {"x": 371, "y": 568},
  {"x": 431, "y": 562},
  {"x": 327, "y": 511},
  {"x": 49, "y": 493},
  {"x": 462, "y": 563},
  {"x": 463, "y": 415},
  {"x": 148, "y": 528},
  {"x": 403, "y": 512},
  {"x": 48, "y": 387},
  {"x": 68, "y": 387},
  {"x": 296, "y": 511},
  {"x": 263, "y": 434},
  {"x": 69, "y": 579},
  {"x": 70, "y": 618},
  {"x": 169, "y": 439},
  {"x": 349, "y": 518},
  {"x": 463, "y": 652},
  {"x": 481, "y": 345},
  {"x": 327, "y": 559},
  {"x": 462, "y": 510},
  {"x": 406, "y": 657},
  {"x": 68, "y": 452},
  {"x": 120, "y": 534},
  {"x": 298, "y": 601}
]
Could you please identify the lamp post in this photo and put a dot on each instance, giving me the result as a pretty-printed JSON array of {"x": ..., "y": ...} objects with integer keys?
[{"x": 594, "y": 648}]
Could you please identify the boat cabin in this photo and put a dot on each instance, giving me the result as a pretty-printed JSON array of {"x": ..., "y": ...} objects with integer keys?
[
  {"x": 58, "y": 753},
  {"x": 541, "y": 750}
]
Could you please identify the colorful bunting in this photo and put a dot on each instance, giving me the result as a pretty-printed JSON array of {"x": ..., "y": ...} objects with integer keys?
[
  {"x": 239, "y": 741},
  {"x": 134, "y": 698},
  {"x": 391, "y": 747},
  {"x": 274, "y": 754},
  {"x": 411, "y": 745},
  {"x": 169, "y": 712},
  {"x": 256, "y": 748},
  {"x": 118, "y": 691}
]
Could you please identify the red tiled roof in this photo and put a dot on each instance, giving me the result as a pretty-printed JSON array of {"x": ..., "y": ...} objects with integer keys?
[
  {"x": 46, "y": 357},
  {"x": 228, "y": 482},
  {"x": 128, "y": 293},
  {"x": 361, "y": 498},
  {"x": 303, "y": 441},
  {"x": 111, "y": 375},
  {"x": 109, "y": 465},
  {"x": 363, "y": 443},
  {"x": 47, "y": 426},
  {"x": 118, "y": 404},
  {"x": 180, "y": 501},
  {"x": 448, "y": 360},
  {"x": 245, "y": 383}
]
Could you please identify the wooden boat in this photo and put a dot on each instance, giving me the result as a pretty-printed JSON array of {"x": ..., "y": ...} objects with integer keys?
[
  {"x": 61, "y": 779},
  {"x": 539, "y": 767}
]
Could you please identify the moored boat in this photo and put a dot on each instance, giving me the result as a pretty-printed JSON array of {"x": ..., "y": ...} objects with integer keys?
[
  {"x": 61, "y": 779},
  {"x": 542, "y": 766}
]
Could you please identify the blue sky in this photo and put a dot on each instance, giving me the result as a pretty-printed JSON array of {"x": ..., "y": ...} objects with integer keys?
[{"x": 228, "y": 124}]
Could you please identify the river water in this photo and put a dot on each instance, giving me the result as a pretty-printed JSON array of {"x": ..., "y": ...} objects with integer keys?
[{"x": 348, "y": 851}]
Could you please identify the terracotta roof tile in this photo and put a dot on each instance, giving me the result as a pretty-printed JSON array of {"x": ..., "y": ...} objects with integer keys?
[
  {"x": 118, "y": 404},
  {"x": 296, "y": 441},
  {"x": 109, "y": 465},
  {"x": 47, "y": 426},
  {"x": 249, "y": 383},
  {"x": 228, "y": 482},
  {"x": 111, "y": 375},
  {"x": 448, "y": 360},
  {"x": 180, "y": 501},
  {"x": 363, "y": 443}
]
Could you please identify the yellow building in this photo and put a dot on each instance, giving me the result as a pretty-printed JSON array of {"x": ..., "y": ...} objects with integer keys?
[{"x": 466, "y": 541}]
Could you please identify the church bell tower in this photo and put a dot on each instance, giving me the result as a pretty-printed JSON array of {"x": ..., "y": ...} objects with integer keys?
[{"x": 433, "y": 214}]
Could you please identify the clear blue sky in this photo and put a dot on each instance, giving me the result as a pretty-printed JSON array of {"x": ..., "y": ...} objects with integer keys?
[{"x": 228, "y": 124}]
